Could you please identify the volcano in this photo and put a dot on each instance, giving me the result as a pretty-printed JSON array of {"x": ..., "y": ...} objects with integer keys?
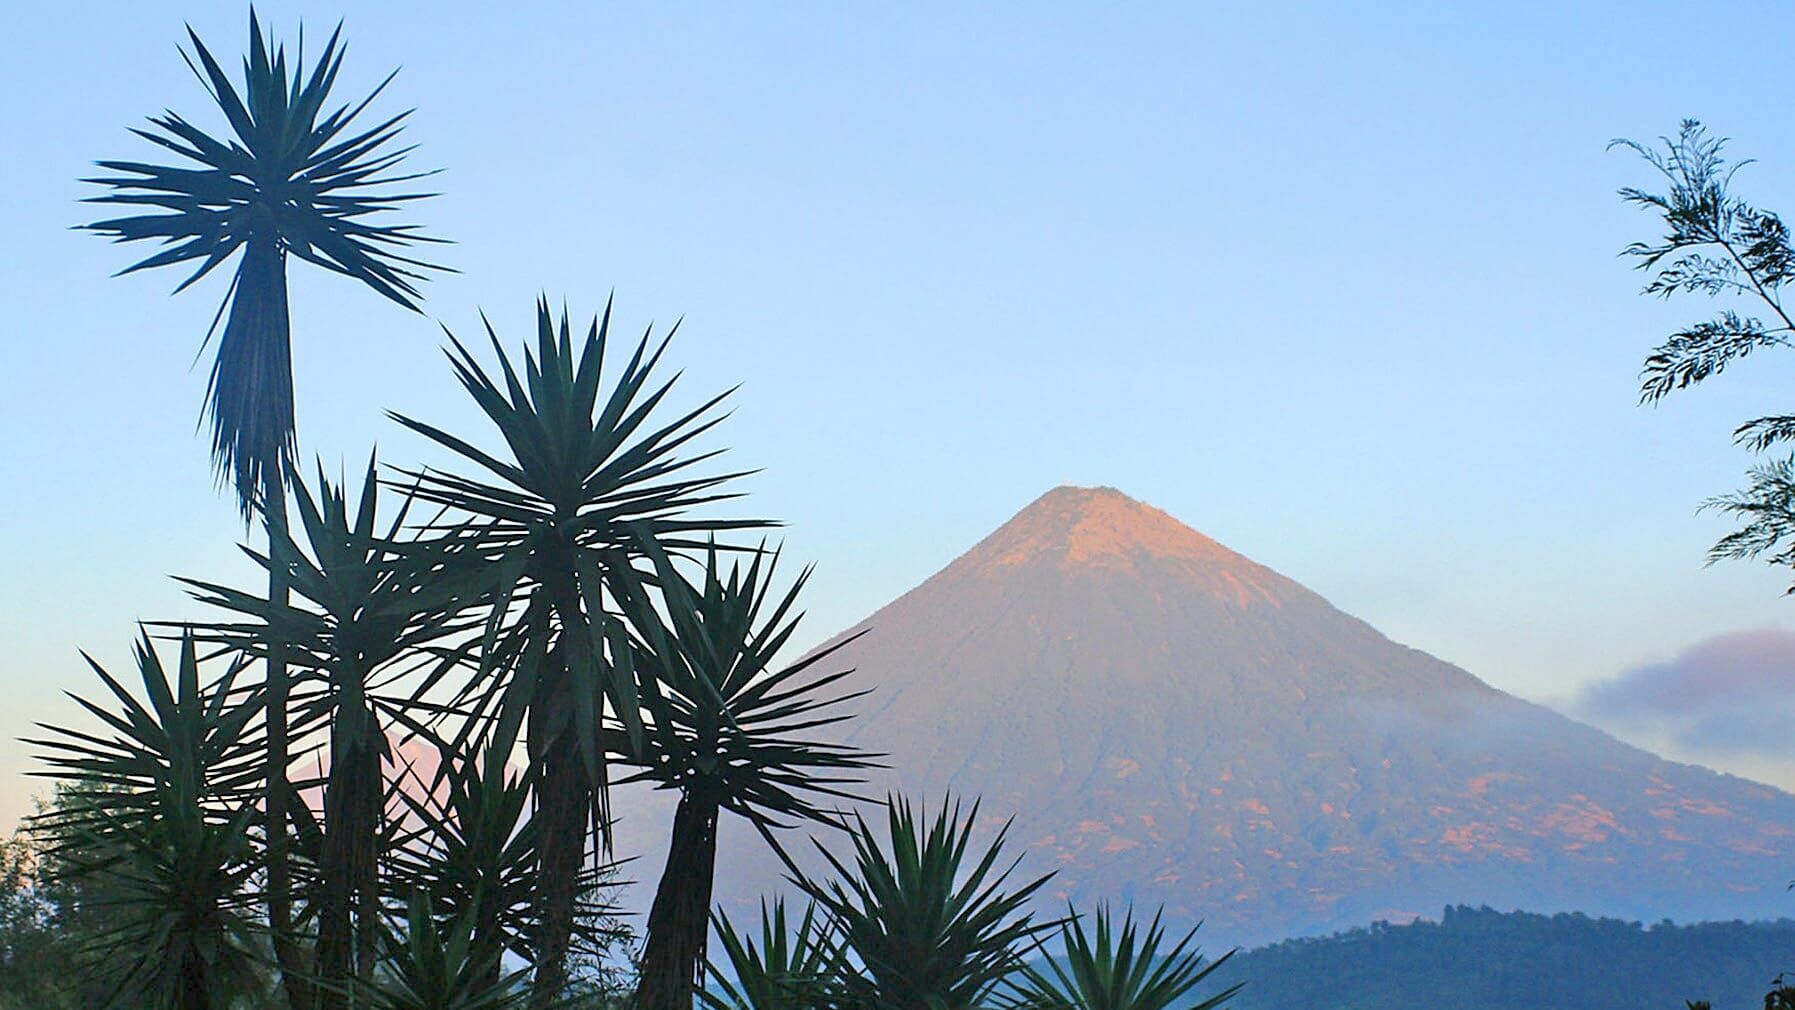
[{"x": 1170, "y": 723}]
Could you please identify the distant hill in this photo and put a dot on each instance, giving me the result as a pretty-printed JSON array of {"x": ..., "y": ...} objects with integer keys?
[
  {"x": 1517, "y": 961},
  {"x": 1172, "y": 723}
]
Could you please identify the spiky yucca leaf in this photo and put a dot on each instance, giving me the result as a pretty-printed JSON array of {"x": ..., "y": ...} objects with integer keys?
[
  {"x": 788, "y": 969},
  {"x": 369, "y": 610},
  {"x": 929, "y": 927},
  {"x": 432, "y": 965},
  {"x": 585, "y": 488},
  {"x": 471, "y": 845},
  {"x": 292, "y": 176},
  {"x": 1109, "y": 968},
  {"x": 723, "y": 719}
]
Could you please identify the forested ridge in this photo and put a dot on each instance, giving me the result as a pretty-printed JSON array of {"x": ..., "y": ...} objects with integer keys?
[{"x": 1479, "y": 957}]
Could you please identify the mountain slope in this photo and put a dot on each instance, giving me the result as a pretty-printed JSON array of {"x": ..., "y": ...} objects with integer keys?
[{"x": 1170, "y": 722}]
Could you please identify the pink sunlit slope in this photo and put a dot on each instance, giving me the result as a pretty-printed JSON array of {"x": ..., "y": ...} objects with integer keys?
[{"x": 1169, "y": 722}]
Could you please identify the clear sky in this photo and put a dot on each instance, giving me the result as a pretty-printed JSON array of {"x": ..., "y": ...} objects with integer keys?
[{"x": 1335, "y": 284}]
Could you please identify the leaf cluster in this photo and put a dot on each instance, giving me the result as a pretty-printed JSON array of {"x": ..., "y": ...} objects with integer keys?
[
  {"x": 1718, "y": 244},
  {"x": 293, "y": 176}
]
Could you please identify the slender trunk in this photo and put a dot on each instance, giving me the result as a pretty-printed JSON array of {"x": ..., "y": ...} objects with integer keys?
[
  {"x": 280, "y": 871},
  {"x": 349, "y": 859},
  {"x": 252, "y": 408},
  {"x": 568, "y": 796},
  {"x": 679, "y": 921},
  {"x": 367, "y": 904},
  {"x": 562, "y": 813}
]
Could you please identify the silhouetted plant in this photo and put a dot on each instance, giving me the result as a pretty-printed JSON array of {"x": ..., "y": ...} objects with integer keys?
[
  {"x": 583, "y": 490},
  {"x": 729, "y": 733},
  {"x": 790, "y": 968},
  {"x": 1718, "y": 244},
  {"x": 154, "y": 825},
  {"x": 926, "y": 926},
  {"x": 439, "y": 966},
  {"x": 473, "y": 851},
  {"x": 1108, "y": 968},
  {"x": 292, "y": 177},
  {"x": 372, "y": 604}
]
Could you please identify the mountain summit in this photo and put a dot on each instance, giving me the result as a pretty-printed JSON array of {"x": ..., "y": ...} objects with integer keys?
[
  {"x": 1171, "y": 722},
  {"x": 1097, "y": 526}
]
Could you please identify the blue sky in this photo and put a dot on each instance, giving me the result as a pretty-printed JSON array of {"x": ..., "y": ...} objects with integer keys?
[{"x": 1338, "y": 288}]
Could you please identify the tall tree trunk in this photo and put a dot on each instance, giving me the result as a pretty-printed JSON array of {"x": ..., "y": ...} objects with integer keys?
[
  {"x": 348, "y": 863},
  {"x": 252, "y": 408},
  {"x": 563, "y": 811},
  {"x": 280, "y": 871},
  {"x": 568, "y": 798},
  {"x": 679, "y": 921}
]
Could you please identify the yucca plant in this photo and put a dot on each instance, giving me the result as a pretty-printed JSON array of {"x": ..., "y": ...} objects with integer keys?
[
  {"x": 729, "y": 732},
  {"x": 292, "y": 177},
  {"x": 438, "y": 966},
  {"x": 929, "y": 927},
  {"x": 471, "y": 846},
  {"x": 372, "y": 607},
  {"x": 788, "y": 969},
  {"x": 153, "y": 827},
  {"x": 1109, "y": 967},
  {"x": 584, "y": 486}
]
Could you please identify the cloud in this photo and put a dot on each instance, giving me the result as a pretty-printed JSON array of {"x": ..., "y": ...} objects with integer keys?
[{"x": 1731, "y": 695}]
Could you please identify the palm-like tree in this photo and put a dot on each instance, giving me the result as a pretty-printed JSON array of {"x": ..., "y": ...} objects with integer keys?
[
  {"x": 291, "y": 178},
  {"x": 153, "y": 826},
  {"x": 1107, "y": 967},
  {"x": 728, "y": 732},
  {"x": 929, "y": 927},
  {"x": 584, "y": 489},
  {"x": 370, "y": 610}
]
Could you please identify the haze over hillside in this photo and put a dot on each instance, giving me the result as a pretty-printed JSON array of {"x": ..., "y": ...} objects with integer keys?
[{"x": 1170, "y": 722}]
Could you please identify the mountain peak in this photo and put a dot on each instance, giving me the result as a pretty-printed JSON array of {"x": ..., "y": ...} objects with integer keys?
[
  {"x": 1172, "y": 724},
  {"x": 1097, "y": 527}
]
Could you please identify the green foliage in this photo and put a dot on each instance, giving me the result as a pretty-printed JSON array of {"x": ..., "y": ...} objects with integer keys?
[
  {"x": 365, "y": 611},
  {"x": 730, "y": 733},
  {"x": 473, "y": 852},
  {"x": 788, "y": 969},
  {"x": 928, "y": 927},
  {"x": 431, "y": 966},
  {"x": 291, "y": 178},
  {"x": 584, "y": 492},
  {"x": 1476, "y": 957},
  {"x": 723, "y": 721},
  {"x": 584, "y": 489},
  {"x": 155, "y": 826},
  {"x": 1720, "y": 245},
  {"x": 1105, "y": 968},
  {"x": 41, "y": 956}
]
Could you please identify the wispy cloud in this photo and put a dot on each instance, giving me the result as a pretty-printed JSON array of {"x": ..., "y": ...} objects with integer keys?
[{"x": 1732, "y": 695}]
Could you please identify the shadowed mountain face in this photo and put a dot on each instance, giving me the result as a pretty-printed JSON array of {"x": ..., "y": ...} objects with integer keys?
[{"x": 1170, "y": 722}]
